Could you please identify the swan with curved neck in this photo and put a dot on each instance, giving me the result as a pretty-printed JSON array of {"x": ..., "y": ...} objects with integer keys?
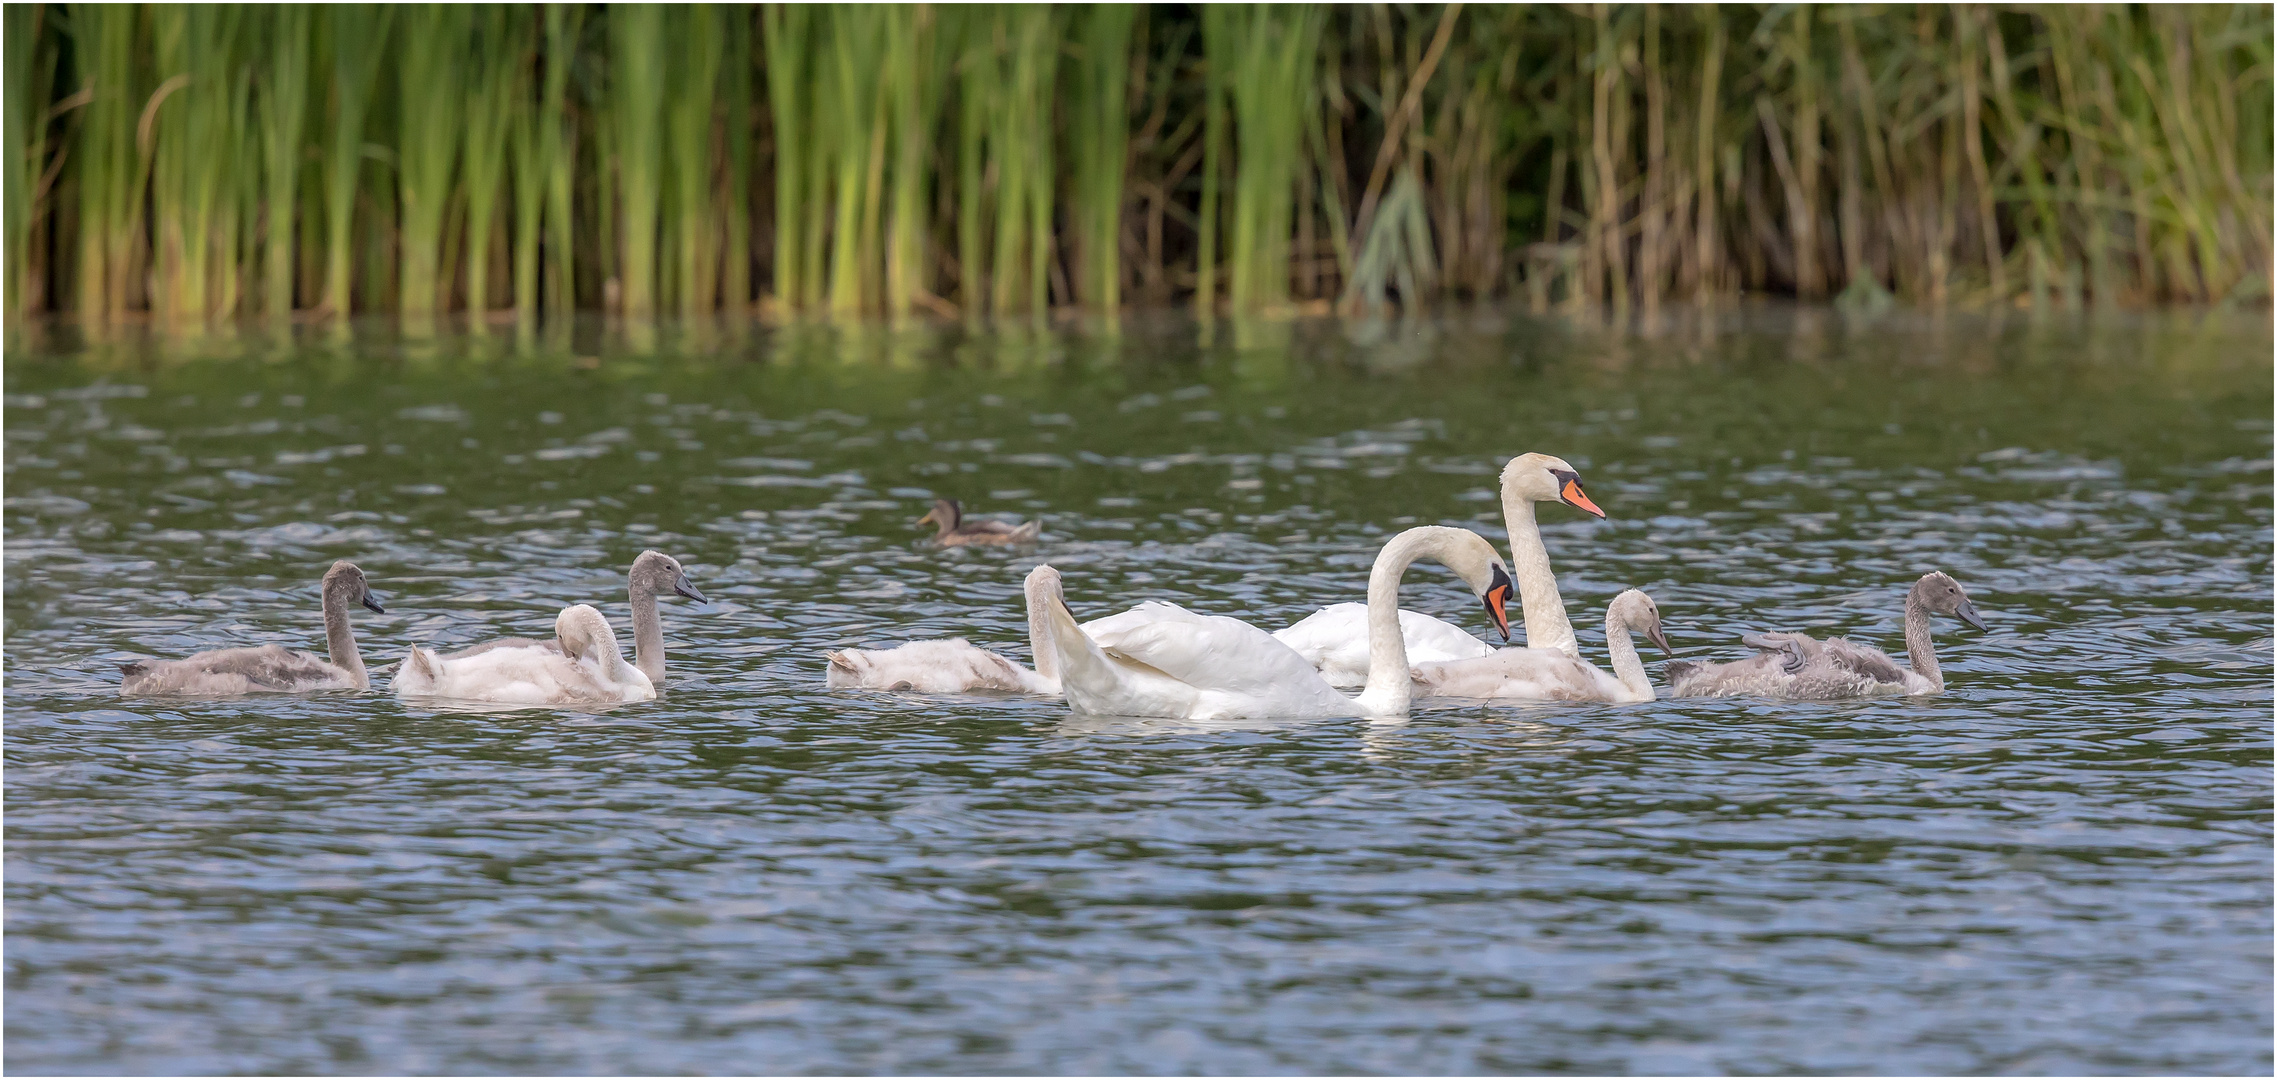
[
  {"x": 1801, "y": 667},
  {"x": 271, "y": 669},
  {"x": 1159, "y": 659},
  {"x": 1335, "y": 638},
  {"x": 652, "y": 575},
  {"x": 1550, "y": 675},
  {"x": 583, "y": 666}
]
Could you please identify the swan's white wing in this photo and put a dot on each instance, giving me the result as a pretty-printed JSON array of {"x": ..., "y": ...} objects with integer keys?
[
  {"x": 1239, "y": 669},
  {"x": 525, "y": 675},
  {"x": 1335, "y": 641}
]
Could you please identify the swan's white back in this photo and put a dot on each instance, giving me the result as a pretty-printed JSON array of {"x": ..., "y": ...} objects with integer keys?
[
  {"x": 949, "y": 666},
  {"x": 1168, "y": 661},
  {"x": 588, "y": 668}
]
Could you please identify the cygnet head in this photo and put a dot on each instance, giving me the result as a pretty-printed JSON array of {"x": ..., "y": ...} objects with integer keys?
[
  {"x": 1939, "y": 593},
  {"x": 1542, "y": 478},
  {"x": 946, "y": 513},
  {"x": 661, "y": 573},
  {"x": 1634, "y": 612},
  {"x": 344, "y": 584},
  {"x": 585, "y": 634}
]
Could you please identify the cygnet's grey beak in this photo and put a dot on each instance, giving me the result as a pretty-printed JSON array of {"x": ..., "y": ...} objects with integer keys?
[
  {"x": 681, "y": 585},
  {"x": 1659, "y": 639},
  {"x": 371, "y": 601},
  {"x": 1967, "y": 612}
]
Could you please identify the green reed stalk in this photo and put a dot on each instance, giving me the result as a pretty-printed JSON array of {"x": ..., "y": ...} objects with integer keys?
[
  {"x": 1099, "y": 134},
  {"x": 194, "y": 130},
  {"x": 284, "y": 117},
  {"x": 111, "y": 170},
  {"x": 913, "y": 89},
  {"x": 493, "y": 96},
  {"x": 851, "y": 92},
  {"x": 786, "y": 33},
  {"x": 1029, "y": 117},
  {"x": 30, "y": 76},
  {"x": 637, "y": 62},
  {"x": 558, "y": 154},
  {"x": 696, "y": 42},
  {"x": 735, "y": 93},
  {"x": 528, "y": 144},
  {"x": 356, "y": 36},
  {"x": 977, "y": 92},
  {"x": 236, "y": 225},
  {"x": 1218, "y": 49},
  {"x": 432, "y": 114},
  {"x": 1271, "y": 86}
]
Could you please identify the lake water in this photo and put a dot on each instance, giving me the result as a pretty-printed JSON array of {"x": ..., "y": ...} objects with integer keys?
[{"x": 2063, "y": 864}]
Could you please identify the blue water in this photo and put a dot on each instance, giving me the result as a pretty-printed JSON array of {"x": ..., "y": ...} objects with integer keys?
[{"x": 2063, "y": 864}]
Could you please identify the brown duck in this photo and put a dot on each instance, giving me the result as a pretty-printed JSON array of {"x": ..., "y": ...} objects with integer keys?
[{"x": 949, "y": 515}]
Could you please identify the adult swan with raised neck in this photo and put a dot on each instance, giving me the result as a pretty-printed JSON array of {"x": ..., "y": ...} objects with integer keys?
[
  {"x": 1158, "y": 659},
  {"x": 1335, "y": 638}
]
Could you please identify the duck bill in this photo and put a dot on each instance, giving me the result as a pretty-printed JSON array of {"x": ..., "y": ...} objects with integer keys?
[
  {"x": 1967, "y": 613},
  {"x": 687, "y": 588},
  {"x": 1660, "y": 639},
  {"x": 1571, "y": 494},
  {"x": 372, "y": 602},
  {"x": 1497, "y": 601}
]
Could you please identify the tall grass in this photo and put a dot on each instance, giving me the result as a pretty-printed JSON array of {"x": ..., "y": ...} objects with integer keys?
[
  {"x": 355, "y": 46},
  {"x": 1001, "y": 161},
  {"x": 30, "y": 86},
  {"x": 283, "y": 125},
  {"x": 433, "y": 112},
  {"x": 637, "y": 62}
]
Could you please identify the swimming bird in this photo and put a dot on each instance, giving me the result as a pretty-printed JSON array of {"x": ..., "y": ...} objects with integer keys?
[
  {"x": 271, "y": 669},
  {"x": 1159, "y": 659},
  {"x": 955, "y": 531},
  {"x": 652, "y": 575},
  {"x": 1803, "y": 668},
  {"x": 949, "y": 666},
  {"x": 581, "y": 666},
  {"x": 1335, "y": 638},
  {"x": 1550, "y": 675}
]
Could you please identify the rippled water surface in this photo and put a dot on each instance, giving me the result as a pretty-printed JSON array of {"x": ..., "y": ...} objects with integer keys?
[{"x": 2063, "y": 864}]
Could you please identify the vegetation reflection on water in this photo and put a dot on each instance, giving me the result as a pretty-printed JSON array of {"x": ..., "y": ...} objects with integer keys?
[{"x": 2062, "y": 864}]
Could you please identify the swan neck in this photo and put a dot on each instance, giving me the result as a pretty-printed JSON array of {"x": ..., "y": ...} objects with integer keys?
[
  {"x": 1918, "y": 647},
  {"x": 1086, "y": 675},
  {"x": 1627, "y": 666},
  {"x": 1389, "y": 685},
  {"x": 1039, "y": 631},
  {"x": 340, "y": 642},
  {"x": 648, "y": 631},
  {"x": 1538, "y": 599}
]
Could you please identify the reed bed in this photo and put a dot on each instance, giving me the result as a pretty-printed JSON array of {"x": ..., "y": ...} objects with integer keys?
[{"x": 194, "y": 164}]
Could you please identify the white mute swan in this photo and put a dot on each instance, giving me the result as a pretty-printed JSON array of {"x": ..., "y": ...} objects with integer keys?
[
  {"x": 271, "y": 669},
  {"x": 582, "y": 666},
  {"x": 1159, "y": 659},
  {"x": 1801, "y": 667},
  {"x": 1550, "y": 675},
  {"x": 951, "y": 666},
  {"x": 652, "y": 575},
  {"x": 1335, "y": 638}
]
